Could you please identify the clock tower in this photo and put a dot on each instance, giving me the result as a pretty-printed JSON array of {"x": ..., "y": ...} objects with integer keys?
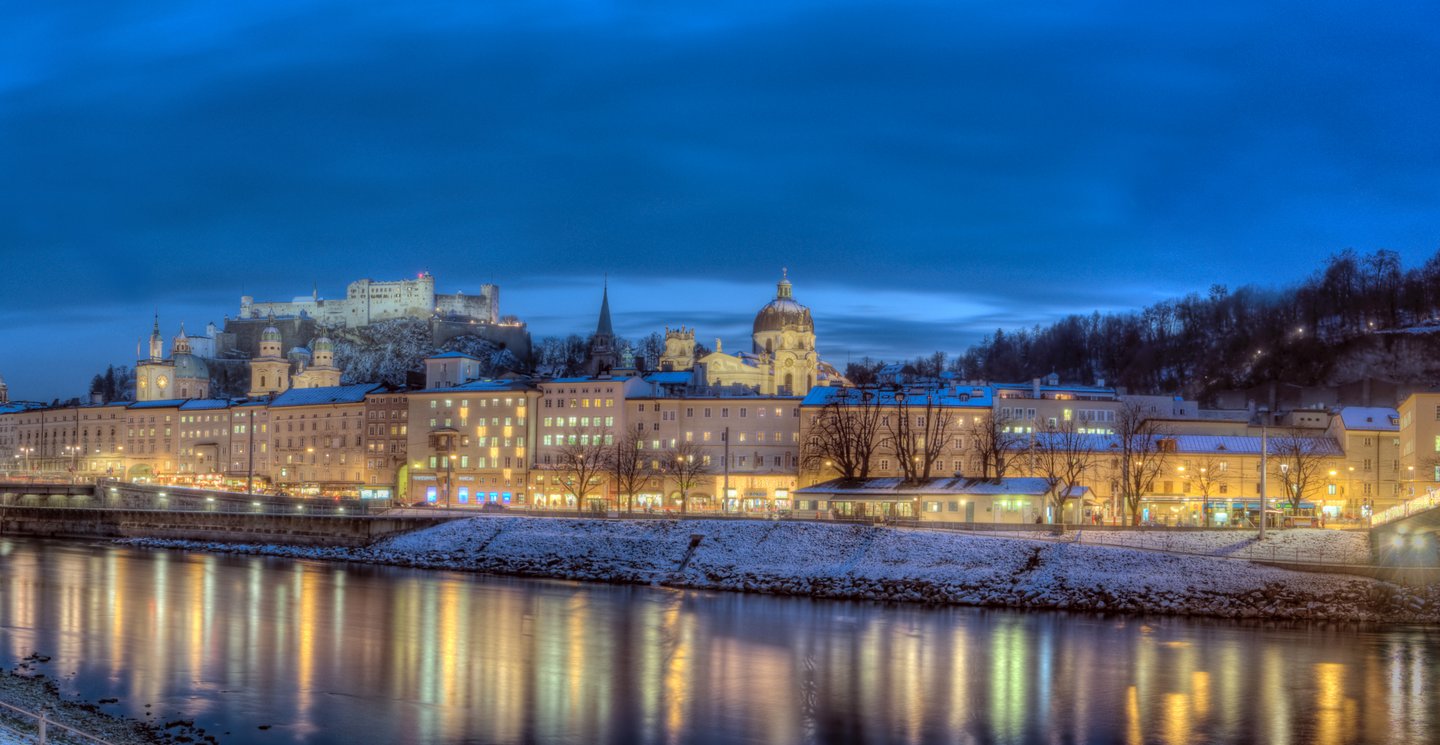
[{"x": 155, "y": 375}]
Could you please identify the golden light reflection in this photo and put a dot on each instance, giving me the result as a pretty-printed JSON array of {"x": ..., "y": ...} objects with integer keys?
[
  {"x": 367, "y": 654},
  {"x": 1133, "y": 728},
  {"x": 1177, "y": 724}
]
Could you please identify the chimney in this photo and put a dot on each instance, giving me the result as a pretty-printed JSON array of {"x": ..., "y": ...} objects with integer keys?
[{"x": 1035, "y": 387}]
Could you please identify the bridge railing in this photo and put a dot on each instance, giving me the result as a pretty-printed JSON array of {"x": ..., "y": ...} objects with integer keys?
[
  {"x": 119, "y": 496},
  {"x": 1427, "y": 501},
  {"x": 36, "y": 724}
]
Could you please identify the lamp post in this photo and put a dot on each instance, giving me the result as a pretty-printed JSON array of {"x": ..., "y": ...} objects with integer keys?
[
  {"x": 1264, "y": 452},
  {"x": 1184, "y": 487},
  {"x": 311, "y": 452}
]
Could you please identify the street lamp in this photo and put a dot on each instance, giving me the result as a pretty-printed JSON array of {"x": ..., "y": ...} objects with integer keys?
[{"x": 1264, "y": 412}]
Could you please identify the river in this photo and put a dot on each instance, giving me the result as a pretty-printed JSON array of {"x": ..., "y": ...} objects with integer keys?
[{"x": 358, "y": 654}]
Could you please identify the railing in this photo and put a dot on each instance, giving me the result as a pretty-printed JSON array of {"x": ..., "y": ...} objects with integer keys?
[
  {"x": 45, "y": 729},
  {"x": 189, "y": 500},
  {"x": 1428, "y": 501}
]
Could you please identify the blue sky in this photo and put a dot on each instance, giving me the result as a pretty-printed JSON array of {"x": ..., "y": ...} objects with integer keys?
[{"x": 927, "y": 171}]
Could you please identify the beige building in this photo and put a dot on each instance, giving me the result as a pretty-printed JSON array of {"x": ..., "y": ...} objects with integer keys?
[
  {"x": 317, "y": 436},
  {"x": 151, "y": 442},
  {"x": 387, "y": 431},
  {"x": 249, "y": 464},
  {"x": 751, "y": 445},
  {"x": 1419, "y": 427},
  {"x": 576, "y": 413},
  {"x": 470, "y": 444}
]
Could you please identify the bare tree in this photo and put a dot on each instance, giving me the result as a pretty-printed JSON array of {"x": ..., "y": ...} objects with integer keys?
[
  {"x": 1062, "y": 457},
  {"x": 1207, "y": 473},
  {"x": 686, "y": 463},
  {"x": 1300, "y": 461},
  {"x": 997, "y": 438},
  {"x": 844, "y": 434},
  {"x": 1141, "y": 445},
  {"x": 628, "y": 467},
  {"x": 580, "y": 462},
  {"x": 916, "y": 431}
]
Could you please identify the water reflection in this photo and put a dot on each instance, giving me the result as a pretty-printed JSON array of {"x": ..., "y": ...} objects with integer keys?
[{"x": 338, "y": 653}]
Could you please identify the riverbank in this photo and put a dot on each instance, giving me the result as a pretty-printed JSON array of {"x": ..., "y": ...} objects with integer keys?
[
  {"x": 29, "y": 687},
  {"x": 870, "y": 563}
]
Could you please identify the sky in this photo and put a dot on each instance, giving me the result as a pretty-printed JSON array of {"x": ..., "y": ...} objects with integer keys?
[{"x": 927, "y": 171}]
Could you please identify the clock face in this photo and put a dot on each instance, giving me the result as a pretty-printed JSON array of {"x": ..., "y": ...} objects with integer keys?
[
  {"x": 144, "y": 384},
  {"x": 162, "y": 381}
]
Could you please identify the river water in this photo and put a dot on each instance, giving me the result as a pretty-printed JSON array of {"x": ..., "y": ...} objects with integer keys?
[{"x": 357, "y": 654}]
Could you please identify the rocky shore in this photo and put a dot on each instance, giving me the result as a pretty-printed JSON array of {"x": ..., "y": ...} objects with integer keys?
[
  {"x": 881, "y": 564},
  {"x": 30, "y": 686}
]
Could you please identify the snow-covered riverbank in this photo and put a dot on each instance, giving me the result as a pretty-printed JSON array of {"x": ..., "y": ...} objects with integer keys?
[{"x": 862, "y": 562}]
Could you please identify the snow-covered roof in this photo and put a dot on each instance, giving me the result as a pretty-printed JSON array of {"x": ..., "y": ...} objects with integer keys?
[
  {"x": 1202, "y": 444},
  {"x": 1371, "y": 418},
  {"x": 898, "y": 487},
  {"x": 980, "y": 397},
  {"x": 451, "y": 356},
  {"x": 670, "y": 378},
  {"x": 615, "y": 379},
  {"x": 205, "y": 403},
  {"x": 480, "y": 386},
  {"x": 336, "y": 394},
  {"x": 169, "y": 403}
]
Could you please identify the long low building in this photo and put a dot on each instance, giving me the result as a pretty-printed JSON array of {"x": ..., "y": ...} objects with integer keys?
[{"x": 952, "y": 499}]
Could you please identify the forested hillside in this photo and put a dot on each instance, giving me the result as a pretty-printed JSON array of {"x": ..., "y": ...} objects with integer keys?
[{"x": 1356, "y": 317}]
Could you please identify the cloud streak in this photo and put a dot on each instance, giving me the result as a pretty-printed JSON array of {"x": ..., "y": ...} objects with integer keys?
[{"x": 943, "y": 167}]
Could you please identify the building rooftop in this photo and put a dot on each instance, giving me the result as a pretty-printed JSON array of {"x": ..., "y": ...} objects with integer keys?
[
  {"x": 1370, "y": 418},
  {"x": 338, "y": 394},
  {"x": 898, "y": 487}
]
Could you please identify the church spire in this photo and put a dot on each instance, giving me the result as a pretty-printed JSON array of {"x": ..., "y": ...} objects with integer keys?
[
  {"x": 604, "y": 328},
  {"x": 782, "y": 288},
  {"x": 157, "y": 343}
]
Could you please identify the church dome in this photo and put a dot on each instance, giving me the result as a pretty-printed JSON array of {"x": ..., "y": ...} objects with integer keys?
[
  {"x": 190, "y": 366},
  {"x": 270, "y": 334},
  {"x": 323, "y": 344},
  {"x": 783, "y": 312}
]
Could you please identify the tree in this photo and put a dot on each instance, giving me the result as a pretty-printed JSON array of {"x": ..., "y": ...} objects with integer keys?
[
  {"x": 628, "y": 467},
  {"x": 580, "y": 462},
  {"x": 1300, "y": 461},
  {"x": 996, "y": 438},
  {"x": 1208, "y": 474},
  {"x": 844, "y": 434},
  {"x": 1062, "y": 457},
  {"x": 917, "y": 429},
  {"x": 1140, "y": 447},
  {"x": 686, "y": 463}
]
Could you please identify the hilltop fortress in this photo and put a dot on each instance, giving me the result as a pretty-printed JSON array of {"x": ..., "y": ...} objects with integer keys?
[{"x": 367, "y": 301}]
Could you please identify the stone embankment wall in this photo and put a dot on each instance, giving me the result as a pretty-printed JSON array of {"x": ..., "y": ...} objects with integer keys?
[{"x": 294, "y": 530}]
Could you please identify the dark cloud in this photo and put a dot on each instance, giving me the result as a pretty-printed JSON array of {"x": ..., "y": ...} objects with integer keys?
[{"x": 1021, "y": 160}]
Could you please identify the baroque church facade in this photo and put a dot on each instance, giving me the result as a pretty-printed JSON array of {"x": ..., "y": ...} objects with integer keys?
[
  {"x": 782, "y": 360},
  {"x": 182, "y": 375}
]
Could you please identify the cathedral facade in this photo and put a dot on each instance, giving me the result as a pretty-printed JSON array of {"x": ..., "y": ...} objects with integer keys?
[
  {"x": 782, "y": 360},
  {"x": 182, "y": 375}
]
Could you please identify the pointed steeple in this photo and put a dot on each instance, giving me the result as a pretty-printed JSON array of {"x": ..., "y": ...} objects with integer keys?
[
  {"x": 604, "y": 328},
  {"x": 157, "y": 344}
]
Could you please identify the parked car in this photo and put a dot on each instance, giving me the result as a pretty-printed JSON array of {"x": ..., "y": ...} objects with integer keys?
[{"x": 492, "y": 507}]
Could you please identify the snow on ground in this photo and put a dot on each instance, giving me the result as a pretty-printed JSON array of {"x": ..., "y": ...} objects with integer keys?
[
  {"x": 28, "y": 687},
  {"x": 865, "y": 562},
  {"x": 1298, "y": 545}
]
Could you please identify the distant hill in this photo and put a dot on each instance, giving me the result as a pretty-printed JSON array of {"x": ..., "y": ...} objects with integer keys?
[{"x": 1356, "y": 318}]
